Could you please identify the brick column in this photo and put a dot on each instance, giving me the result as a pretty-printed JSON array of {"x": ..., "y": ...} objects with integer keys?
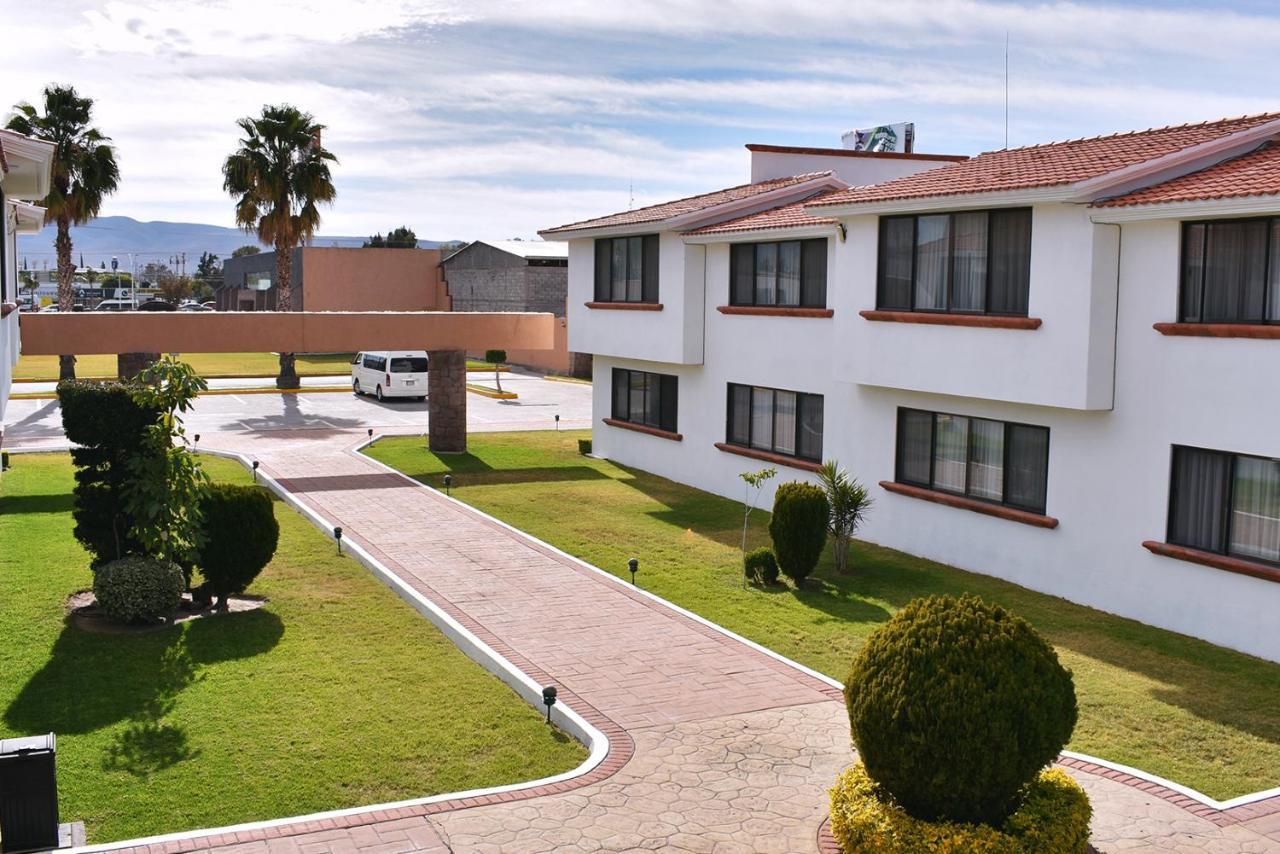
[
  {"x": 447, "y": 401},
  {"x": 129, "y": 365}
]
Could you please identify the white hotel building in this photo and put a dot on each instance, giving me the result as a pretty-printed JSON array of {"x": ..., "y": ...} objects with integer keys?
[{"x": 1059, "y": 365}]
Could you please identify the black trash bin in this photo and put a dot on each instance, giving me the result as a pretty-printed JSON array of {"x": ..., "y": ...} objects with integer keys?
[{"x": 28, "y": 794}]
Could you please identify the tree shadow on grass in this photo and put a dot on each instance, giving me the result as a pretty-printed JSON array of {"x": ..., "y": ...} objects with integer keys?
[
  {"x": 151, "y": 742},
  {"x": 62, "y": 502}
]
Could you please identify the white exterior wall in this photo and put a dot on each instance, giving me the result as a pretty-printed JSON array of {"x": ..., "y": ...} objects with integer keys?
[
  {"x": 10, "y": 343},
  {"x": 855, "y": 170},
  {"x": 1108, "y": 478}
]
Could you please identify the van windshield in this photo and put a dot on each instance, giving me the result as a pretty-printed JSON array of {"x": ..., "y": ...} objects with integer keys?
[{"x": 411, "y": 365}]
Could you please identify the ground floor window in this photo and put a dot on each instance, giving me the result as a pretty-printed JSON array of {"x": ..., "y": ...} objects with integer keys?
[
  {"x": 996, "y": 461},
  {"x": 641, "y": 397},
  {"x": 775, "y": 420},
  {"x": 1226, "y": 503}
]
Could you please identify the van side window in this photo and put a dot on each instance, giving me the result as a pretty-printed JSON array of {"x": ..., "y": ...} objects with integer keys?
[{"x": 371, "y": 363}]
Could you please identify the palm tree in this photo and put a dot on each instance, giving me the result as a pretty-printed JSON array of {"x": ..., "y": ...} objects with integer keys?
[
  {"x": 84, "y": 174},
  {"x": 278, "y": 176}
]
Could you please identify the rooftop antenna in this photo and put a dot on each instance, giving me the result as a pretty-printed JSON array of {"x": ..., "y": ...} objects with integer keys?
[{"x": 1006, "y": 88}]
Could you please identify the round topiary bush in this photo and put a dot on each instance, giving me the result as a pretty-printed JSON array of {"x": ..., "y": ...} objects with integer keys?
[
  {"x": 955, "y": 705},
  {"x": 138, "y": 589},
  {"x": 1053, "y": 816},
  {"x": 241, "y": 535},
  {"x": 798, "y": 528},
  {"x": 760, "y": 565}
]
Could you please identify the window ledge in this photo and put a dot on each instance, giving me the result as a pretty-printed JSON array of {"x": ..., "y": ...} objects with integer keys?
[
  {"x": 964, "y": 503},
  {"x": 1219, "y": 330},
  {"x": 775, "y": 310},
  {"x": 626, "y": 306},
  {"x": 1239, "y": 565},
  {"x": 644, "y": 428},
  {"x": 6, "y": 308},
  {"x": 769, "y": 457},
  {"x": 986, "y": 321}
]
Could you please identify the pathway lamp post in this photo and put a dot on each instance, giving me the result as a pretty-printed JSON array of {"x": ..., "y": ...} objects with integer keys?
[
  {"x": 634, "y": 566},
  {"x": 549, "y": 699},
  {"x": 255, "y": 471},
  {"x": 448, "y": 482},
  {"x": 337, "y": 535}
]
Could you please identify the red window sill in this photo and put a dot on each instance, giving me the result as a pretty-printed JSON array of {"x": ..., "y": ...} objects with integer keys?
[
  {"x": 963, "y": 503},
  {"x": 1217, "y": 561},
  {"x": 644, "y": 428},
  {"x": 769, "y": 457},
  {"x": 775, "y": 311},
  {"x": 1219, "y": 330},
  {"x": 7, "y": 308},
  {"x": 626, "y": 306},
  {"x": 985, "y": 321}
]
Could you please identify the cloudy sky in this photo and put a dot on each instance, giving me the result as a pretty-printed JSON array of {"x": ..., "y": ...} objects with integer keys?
[{"x": 487, "y": 119}]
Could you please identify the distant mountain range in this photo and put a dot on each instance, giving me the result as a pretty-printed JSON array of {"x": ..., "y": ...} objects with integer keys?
[{"x": 118, "y": 236}]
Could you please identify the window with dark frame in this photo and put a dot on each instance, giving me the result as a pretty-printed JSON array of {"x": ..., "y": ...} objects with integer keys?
[
  {"x": 627, "y": 269},
  {"x": 642, "y": 397},
  {"x": 1230, "y": 271},
  {"x": 1225, "y": 503},
  {"x": 1000, "y": 462},
  {"x": 780, "y": 273},
  {"x": 971, "y": 262},
  {"x": 775, "y": 420}
]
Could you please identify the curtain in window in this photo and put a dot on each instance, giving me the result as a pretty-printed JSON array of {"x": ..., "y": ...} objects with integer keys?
[
  {"x": 986, "y": 459},
  {"x": 969, "y": 262},
  {"x": 621, "y": 385},
  {"x": 950, "y": 453},
  {"x": 1192, "y": 271},
  {"x": 1010, "y": 261},
  {"x": 1273, "y": 278},
  {"x": 1199, "y": 495},
  {"x": 915, "y": 441},
  {"x": 649, "y": 288},
  {"x": 766, "y": 273},
  {"x": 1235, "y": 270},
  {"x": 669, "y": 394},
  {"x": 933, "y": 238},
  {"x": 739, "y": 414},
  {"x": 1026, "y": 480},
  {"x": 1255, "y": 509},
  {"x": 742, "y": 263},
  {"x": 635, "y": 412},
  {"x": 897, "y": 248},
  {"x": 813, "y": 290},
  {"x": 652, "y": 400},
  {"x": 784, "y": 424},
  {"x": 604, "y": 258},
  {"x": 789, "y": 273},
  {"x": 618, "y": 271},
  {"x": 635, "y": 260},
  {"x": 809, "y": 438},
  {"x": 762, "y": 418}
]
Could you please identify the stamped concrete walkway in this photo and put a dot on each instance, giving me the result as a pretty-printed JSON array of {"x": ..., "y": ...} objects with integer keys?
[{"x": 714, "y": 745}]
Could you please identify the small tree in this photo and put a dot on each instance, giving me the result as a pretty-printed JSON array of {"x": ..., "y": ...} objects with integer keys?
[
  {"x": 848, "y": 503},
  {"x": 241, "y": 535},
  {"x": 247, "y": 249},
  {"x": 175, "y": 288},
  {"x": 755, "y": 481},
  {"x": 798, "y": 528},
  {"x": 496, "y": 358}
]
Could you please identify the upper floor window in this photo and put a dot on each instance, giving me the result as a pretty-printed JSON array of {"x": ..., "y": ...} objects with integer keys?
[
  {"x": 641, "y": 397},
  {"x": 774, "y": 420},
  {"x": 1225, "y": 503},
  {"x": 786, "y": 273},
  {"x": 995, "y": 461},
  {"x": 1230, "y": 271},
  {"x": 627, "y": 269},
  {"x": 974, "y": 262}
]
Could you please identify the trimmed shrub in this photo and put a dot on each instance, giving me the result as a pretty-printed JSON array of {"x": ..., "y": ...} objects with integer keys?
[
  {"x": 584, "y": 446},
  {"x": 761, "y": 566},
  {"x": 1053, "y": 817},
  {"x": 110, "y": 428},
  {"x": 138, "y": 589},
  {"x": 955, "y": 705},
  {"x": 798, "y": 528},
  {"x": 241, "y": 535}
]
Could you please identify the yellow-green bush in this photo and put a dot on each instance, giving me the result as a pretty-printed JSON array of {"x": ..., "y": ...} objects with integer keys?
[{"x": 1052, "y": 819}]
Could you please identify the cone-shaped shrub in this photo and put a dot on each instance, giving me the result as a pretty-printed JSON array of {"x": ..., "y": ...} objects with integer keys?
[
  {"x": 956, "y": 705},
  {"x": 241, "y": 536},
  {"x": 798, "y": 528}
]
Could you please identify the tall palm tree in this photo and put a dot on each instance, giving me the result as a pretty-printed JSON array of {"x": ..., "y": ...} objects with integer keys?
[
  {"x": 84, "y": 174},
  {"x": 278, "y": 176}
]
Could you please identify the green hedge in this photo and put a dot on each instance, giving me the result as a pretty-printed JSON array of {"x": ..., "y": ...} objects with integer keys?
[
  {"x": 138, "y": 589},
  {"x": 1053, "y": 818},
  {"x": 798, "y": 528},
  {"x": 241, "y": 535},
  {"x": 760, "y": 565}
]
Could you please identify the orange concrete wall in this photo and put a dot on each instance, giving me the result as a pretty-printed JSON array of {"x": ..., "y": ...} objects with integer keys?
[
  {"x": 372, "y": 280},
  {"x": 556, "y": 360},
  {"x": 89, "y": 333}
]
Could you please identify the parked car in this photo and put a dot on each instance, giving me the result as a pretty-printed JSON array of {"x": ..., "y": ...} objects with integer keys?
[
  {"x": 388, "y": 373},
  {"x": 157, "y": 305},
  {"x": 114, "y": 305},
  {"x": 193, "y": 306},
  {"x": 211, "y": 305}
]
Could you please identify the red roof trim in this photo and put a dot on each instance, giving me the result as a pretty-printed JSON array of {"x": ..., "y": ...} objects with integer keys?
[{"x": 846, "y": 152}]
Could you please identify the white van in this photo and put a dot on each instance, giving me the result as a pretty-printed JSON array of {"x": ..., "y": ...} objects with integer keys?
[{"x": 388, "y": 373}]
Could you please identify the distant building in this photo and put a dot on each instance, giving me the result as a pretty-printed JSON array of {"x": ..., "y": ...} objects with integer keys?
[
  {"x": 338, "y": 279},
  {"x": 517, "y": 275}
]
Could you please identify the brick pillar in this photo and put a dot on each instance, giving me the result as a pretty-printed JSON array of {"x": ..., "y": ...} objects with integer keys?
[
  {"x": 129, "y": 365},
  {"x": 447, "y": 401}
]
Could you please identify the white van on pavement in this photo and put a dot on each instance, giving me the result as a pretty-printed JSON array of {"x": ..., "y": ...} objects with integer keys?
[{"x": 390, "y": 373}]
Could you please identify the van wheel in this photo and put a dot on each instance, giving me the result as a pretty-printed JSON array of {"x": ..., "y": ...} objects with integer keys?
[
  {"x": 355, "y": 387},
  {"x": 377, "y": 392}
]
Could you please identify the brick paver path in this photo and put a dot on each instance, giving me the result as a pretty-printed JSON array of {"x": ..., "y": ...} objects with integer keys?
[{"x": 714, "y": 746}]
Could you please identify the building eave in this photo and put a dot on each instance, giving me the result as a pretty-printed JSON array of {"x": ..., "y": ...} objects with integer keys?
[
  {"x": 1003, "y": 198},
  {"x": 829, "y": 229},
  {"x": 1196, "y": 208}
]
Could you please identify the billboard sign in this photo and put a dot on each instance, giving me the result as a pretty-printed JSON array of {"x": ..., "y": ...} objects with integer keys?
[{"x": 899, "y": 137}]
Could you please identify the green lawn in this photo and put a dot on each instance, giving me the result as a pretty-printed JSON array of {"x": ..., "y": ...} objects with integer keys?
[
  {"x": 1195, "y": 713},
  {"x": 208, "y": 365},
  {"x": 336, "y": 694}
]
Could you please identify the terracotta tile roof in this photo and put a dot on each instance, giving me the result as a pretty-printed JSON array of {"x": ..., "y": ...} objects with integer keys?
[
  {"x": 785, "y": 216},
  {"x": 1048, "y": 165},
  {"x": 1254, "y": 174},
  {"x": 692, "y": 204}
]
